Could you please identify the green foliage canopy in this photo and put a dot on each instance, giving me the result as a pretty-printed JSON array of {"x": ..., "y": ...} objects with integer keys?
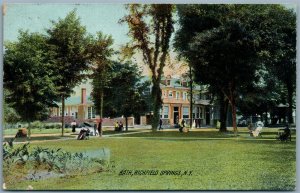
[{"x": 29, "y": 76}]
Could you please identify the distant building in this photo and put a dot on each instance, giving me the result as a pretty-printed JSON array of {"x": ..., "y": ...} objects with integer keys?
[
  {"x": 176, "y": 103},
  {"x": 77, "y": 107}
]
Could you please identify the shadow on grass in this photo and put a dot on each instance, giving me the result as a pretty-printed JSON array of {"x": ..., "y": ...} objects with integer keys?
[
  {"x": 203, "y": 134},
  {"x": 110, "y": 132}
]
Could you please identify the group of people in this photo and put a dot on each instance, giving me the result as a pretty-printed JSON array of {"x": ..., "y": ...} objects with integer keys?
[
  {"x": 119, "y": 126},
  {"x": 97, "y": 127},
  {"x": 180, "y": 123}
]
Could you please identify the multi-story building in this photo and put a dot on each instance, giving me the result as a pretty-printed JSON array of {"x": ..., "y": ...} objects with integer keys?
[{"x": 176, "y": 102}]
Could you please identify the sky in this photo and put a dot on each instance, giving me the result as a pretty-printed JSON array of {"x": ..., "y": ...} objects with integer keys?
[
  {"x": 37, "y": 17},
  {"x": 96, "y": 17}
]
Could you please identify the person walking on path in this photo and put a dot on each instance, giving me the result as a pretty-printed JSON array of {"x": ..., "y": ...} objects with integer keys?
[
  {"x": 160, "y": 124},
  {"x": 181, "y": 125}
]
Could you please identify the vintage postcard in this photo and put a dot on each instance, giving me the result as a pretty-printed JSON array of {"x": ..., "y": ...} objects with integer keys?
[{"x": 149, "y": 96}]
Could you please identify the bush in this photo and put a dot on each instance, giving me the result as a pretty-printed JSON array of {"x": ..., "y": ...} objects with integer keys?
[
  {"x": 52, "y": 125},
  {"x": 37, "y": 125},
  {"x": 20, "y": 162}
]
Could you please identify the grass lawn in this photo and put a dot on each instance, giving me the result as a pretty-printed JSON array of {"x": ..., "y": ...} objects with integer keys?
[{"x": 216, "y": 164}]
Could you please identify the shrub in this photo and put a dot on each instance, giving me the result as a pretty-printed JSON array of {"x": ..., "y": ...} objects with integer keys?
[
  {"x": 20, "y": 161},
  {"x": 36, "y": 125},
  {"x": 52, "y": 125}
]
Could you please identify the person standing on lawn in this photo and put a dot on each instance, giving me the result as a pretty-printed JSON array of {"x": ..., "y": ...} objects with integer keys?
[
  {"x": 95, "y": 129},
  {"x": 121, "y": 126},
  {"x": 181, "y": 125},
  {"x": 116, "y": 126},
  {"x": 160, "y": 124},
  {"x": 73, "y": 124}
]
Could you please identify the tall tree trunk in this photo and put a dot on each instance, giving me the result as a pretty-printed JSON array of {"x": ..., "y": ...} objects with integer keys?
[
  {"x": 223, "y": 112},
  {"x": 29, "y": 131},
  {"x": 62, "y": 115},
  {"x": 101, "y": 114},
  {"x": 233, "y": 105},
  {"x": 157, "y": 102},
  {"x": 126, "y": 123},
  {"x": 191, "y": 97},
  {"x": 231, "y": 99},
  {"x": 290, "y": 93}
]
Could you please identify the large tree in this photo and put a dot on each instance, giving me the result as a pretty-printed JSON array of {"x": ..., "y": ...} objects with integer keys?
[
  {"x": 29, "y": 77},
  {"x": 151, "y": 27},
  {"x": 285, "y": 65},
  {"x": 67, "y": 40},
  {"x": 195, "y": 19},
  {"x": 265, "y": 23},
  {"x": 228, "y": 54},
  {"x": 124, "y": 93},
  {"x": 99, "y": 51},
  {"x": 275, "y": 28}
]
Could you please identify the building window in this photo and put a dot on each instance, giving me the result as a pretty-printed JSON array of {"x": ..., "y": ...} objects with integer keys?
[
  {"x": 168, "y": 82},
  {"x": 202, "y": 113},
  {"x": 89, "y": 112},
  {"x": 185, "y": 113},
  {"x": 170, "y": 94},
  {"x": 177, "y": 95},
  {"x": 184, "y": 95},
  {"x": 166, "y": 112},
  {"x": 93, "y": 112}
]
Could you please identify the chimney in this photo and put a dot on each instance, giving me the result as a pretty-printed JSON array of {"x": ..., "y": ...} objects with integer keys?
[{"x": 83, "y": 96}]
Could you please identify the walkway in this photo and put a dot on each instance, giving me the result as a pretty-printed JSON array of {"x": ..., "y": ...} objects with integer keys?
[{"x": 117, "y": 136}]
